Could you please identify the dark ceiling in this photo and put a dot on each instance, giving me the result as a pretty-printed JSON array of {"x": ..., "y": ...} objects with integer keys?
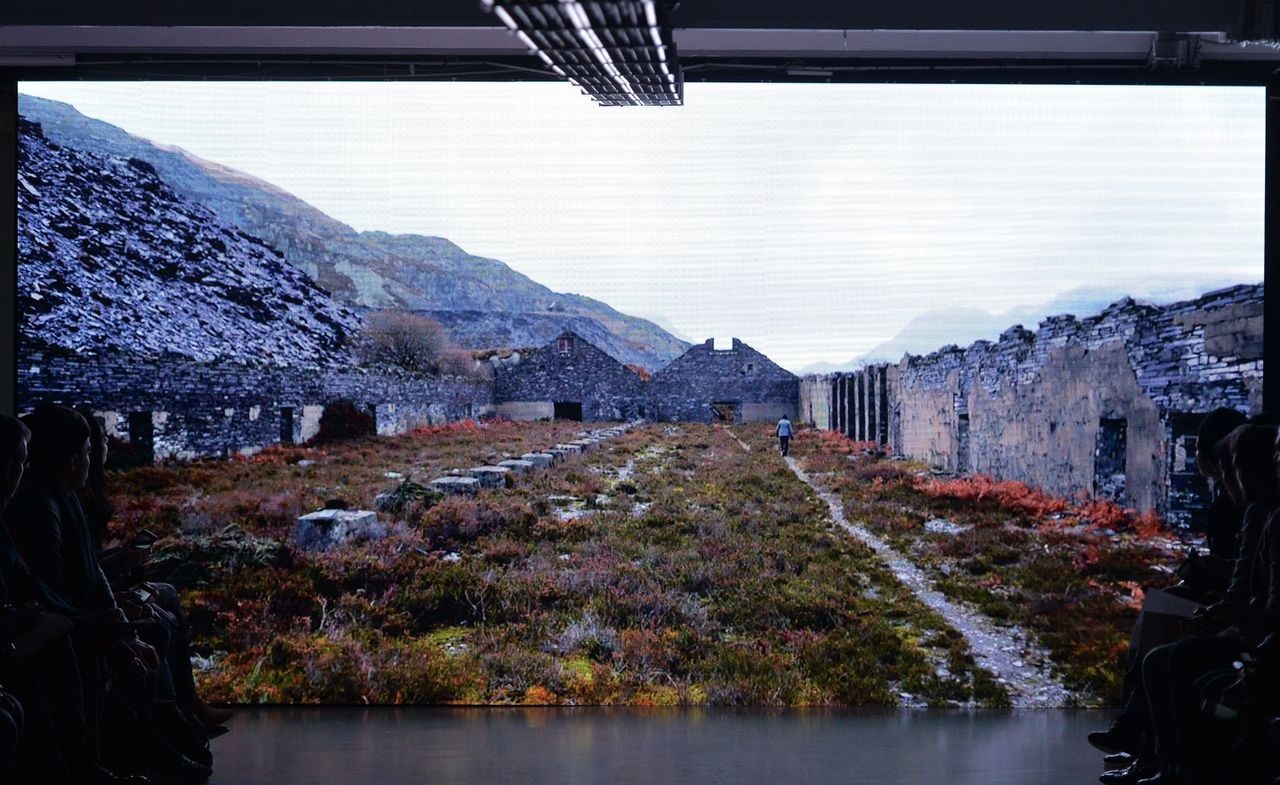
[
  {"x": 1098, "y": 41},
  {"x": 1168, "y": 15}
]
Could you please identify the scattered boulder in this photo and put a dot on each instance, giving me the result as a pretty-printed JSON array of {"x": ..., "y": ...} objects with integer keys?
[
  {"x": 542, "y": 460},
  {"x": 517, "y": 466},
  {"x": 458, "y": 486},
  {"x": 318, "y": 531},
  {"x": 491, "y": 476}
]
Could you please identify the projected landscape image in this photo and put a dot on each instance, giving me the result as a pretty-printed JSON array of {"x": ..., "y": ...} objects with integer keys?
[{"x": 471, "y": 394}]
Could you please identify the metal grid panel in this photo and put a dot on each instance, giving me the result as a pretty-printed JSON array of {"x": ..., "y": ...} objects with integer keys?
[{"x": 620, "y": 52}]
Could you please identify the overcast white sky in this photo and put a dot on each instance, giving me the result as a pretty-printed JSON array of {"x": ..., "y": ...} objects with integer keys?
[{"x": 812, "y": 221}]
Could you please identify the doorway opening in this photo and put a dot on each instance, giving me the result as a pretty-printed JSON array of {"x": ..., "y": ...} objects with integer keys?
[{"x": 568, "y": 410}]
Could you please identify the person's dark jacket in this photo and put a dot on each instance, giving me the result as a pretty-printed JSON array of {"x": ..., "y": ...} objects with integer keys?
[
  {"x": 51, "y": 533},
  {"x": 1223, "y": 525},
  {"x": 1265, "y": 575},
  {"x": 1255, "y": 522},
  {"x": 18, "y": 586}
]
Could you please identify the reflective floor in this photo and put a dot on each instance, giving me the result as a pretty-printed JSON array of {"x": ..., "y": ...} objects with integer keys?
[{"x": 384, "y": 746}]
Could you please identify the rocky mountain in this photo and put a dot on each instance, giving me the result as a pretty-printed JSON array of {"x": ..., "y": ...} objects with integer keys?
[
  {"x": 112, "y": 259},
  {"x": 479, "y": 299}
]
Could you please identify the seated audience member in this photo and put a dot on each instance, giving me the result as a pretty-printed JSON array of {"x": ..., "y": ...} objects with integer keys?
[
  {"x": 142, "y": 730},
  {"x": 39, "y": 661},
  {"x": 1204, "y": 578},
  {"x": 1189, "y": 745},
  {"x": 1222, "y": 522},
  {"x": 163, "y": 596}
]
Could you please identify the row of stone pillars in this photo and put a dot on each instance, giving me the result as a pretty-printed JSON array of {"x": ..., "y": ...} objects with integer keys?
[{"x": 860, "y": 404}]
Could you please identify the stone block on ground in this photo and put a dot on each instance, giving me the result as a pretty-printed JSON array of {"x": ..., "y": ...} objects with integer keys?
[
  {"x": 542, "y": 460},
  {"x": 465, "y": 486},
  {"x": 318, "y": 531},
  {"x": 491, "y": 476},
  {"x": 517, "y": 465},
  {"x": 569, "y": 449}
]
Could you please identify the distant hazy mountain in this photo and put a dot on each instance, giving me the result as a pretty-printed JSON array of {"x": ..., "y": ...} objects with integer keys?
[
  {"x": 372, "y": 270},
  {"x": 939, "y": 327}
]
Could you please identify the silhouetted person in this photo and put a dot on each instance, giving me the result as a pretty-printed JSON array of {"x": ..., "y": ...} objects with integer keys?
[
  {"x": 1131, "y": 734},
  {"x": 58, "y": 744},
  {"x": 1187, "y": 748},
  {"x": 1224, "y": 515},
  {"x": 783, "y": 432},
  {"x": 53, "y": 536},
  {"x": 98, "y": 512}
]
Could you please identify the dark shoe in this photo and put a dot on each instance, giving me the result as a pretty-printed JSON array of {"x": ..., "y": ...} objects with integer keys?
[
  {"x": 181, "y": 731},
  {"x": 214, "y": 733},
  {"x": 1118, "y": 760},
  {"x": 100, "y": 776},
  {"x": 1116, "y": 739},
  {"x": 1130, "y": 775},
  {"x": 1161, "y": 778}
]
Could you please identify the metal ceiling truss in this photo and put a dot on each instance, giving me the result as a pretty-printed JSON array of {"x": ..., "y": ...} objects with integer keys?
[{"x": 619, "y": 52}]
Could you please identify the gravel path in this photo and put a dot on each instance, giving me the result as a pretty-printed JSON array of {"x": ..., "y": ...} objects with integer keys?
[{"x": 1008, "y": 653}]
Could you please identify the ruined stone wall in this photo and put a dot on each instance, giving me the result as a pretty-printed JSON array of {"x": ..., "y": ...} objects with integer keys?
[
  {"x": 815, "y": 402},
  {"x": 205, "y": 409},
  {"x": 1107, "y": 405},
  {"x": 581, "y": 373},
  {"x": 760, "y": 389}
]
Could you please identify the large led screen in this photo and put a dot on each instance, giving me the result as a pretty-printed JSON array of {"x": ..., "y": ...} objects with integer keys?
[{"x": 475, "y": 393}]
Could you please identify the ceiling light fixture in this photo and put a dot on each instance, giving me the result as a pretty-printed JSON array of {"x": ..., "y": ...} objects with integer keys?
[{"x": 620, "y": 52}]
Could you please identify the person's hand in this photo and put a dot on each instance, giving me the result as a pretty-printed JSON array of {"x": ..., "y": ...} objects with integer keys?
[
  {"x": 125, "y": 661},
  {"x": 108, "y": 617},
  {"x": 144, "y": 652},
  {"x": 1216, "y": 617},
  {"x": 136, "y": 609}
]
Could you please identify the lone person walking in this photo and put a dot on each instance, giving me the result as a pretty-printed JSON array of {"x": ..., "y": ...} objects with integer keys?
[{"x": 784, "y": 435}]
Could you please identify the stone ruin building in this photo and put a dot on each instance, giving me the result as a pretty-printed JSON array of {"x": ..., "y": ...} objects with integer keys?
[
  {"x": 568, "y": 379},
  {"x": 1106, "y": 405},
  {"x": 739, "y": 384},
  {"x": 572, "y": 379}
]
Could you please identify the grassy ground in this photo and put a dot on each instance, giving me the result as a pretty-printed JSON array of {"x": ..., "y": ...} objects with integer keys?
[
  {"x": 1070, "y": 571},
  {"x": 671, "y": 566}
]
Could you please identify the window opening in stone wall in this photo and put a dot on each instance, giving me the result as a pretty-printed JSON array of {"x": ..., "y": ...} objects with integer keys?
[
  {"x": 564, "y": 344},
  {"x": 568, "y": 410},
  {"x": 1188, "y": 494},
  {"x": 725, "y": 411},
  {"x": 286, "y": 425},
  {"x": 142, "y": 436},
  {"x": 962, "y": 447},
  {"x": 1109, "y": 457}
]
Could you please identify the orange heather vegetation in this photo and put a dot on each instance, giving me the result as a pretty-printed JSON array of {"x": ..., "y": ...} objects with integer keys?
[
  {"x": 669, "y": 566},
  {"x": 1072, "y": 571}
]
